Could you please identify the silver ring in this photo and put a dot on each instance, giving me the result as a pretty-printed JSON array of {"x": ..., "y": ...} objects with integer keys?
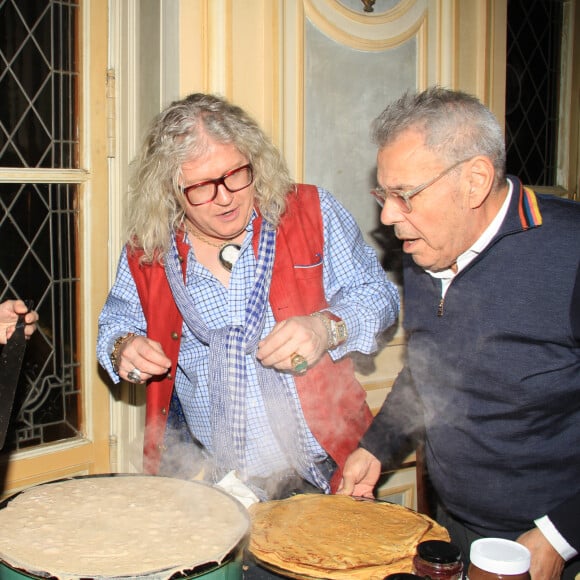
[{"x": 134, "y": 376}]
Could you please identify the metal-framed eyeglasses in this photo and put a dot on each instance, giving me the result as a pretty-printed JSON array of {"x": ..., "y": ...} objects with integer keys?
[
  {"x": 206, "y": 191},
  {"x": 402, "y": 198}
]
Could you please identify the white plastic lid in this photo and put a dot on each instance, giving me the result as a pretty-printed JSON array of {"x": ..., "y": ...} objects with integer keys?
[{"x": 500, "y": 556}]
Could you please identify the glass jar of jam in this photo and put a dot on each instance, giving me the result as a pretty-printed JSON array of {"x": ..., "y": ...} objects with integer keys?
[
  {"x": 439, "y": 560},
  {"x": 498, "y": 559}
]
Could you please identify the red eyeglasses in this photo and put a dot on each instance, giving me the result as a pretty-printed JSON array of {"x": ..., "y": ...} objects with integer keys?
[{"x": 206, "y": 191}]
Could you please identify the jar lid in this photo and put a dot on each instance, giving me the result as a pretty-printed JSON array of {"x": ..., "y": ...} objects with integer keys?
[
  {"x": 439, "y": 551},
  {"x": 499, "y": 555},
  {"x": 402, "y": 576}
]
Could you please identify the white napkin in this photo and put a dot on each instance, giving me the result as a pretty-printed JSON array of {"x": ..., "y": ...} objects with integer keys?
[{"x": 233, "y": 485}]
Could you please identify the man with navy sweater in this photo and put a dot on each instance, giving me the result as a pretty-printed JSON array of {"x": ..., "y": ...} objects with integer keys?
[{"x": 492, "y": 314}]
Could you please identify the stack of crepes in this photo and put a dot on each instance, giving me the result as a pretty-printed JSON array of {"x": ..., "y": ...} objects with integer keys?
[{"x": 333, "y": 536}]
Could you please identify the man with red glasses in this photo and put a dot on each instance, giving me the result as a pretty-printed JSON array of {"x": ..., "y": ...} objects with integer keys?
[
  {"x": 237, "y": 300},
  {"x": 492, "y": 312}
]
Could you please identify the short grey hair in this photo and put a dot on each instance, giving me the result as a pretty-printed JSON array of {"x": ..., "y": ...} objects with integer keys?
[{"x": 455, "y": 125}]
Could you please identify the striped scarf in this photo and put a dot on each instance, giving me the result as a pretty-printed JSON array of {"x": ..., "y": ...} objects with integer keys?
[{"x": 228, "y": 348}]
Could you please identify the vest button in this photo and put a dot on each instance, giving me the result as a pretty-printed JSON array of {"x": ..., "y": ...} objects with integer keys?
[
  {"x": 164, "y": 411},
  {"x": 174, "y": 335},
  {"x": 180, "y": 258},
  {"x": 169, "y": 376}
]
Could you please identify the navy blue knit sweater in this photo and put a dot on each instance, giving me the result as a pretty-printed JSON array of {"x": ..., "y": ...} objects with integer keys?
[{"x": 496, "y": 376}]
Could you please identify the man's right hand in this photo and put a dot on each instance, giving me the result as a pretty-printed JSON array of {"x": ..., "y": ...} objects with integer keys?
[
  {"x": 360, "y": 474},
  {"x": 144, "y": 354}
]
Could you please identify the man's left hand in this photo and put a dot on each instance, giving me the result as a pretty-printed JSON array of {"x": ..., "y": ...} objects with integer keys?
[{"x": 546, "y": 564}]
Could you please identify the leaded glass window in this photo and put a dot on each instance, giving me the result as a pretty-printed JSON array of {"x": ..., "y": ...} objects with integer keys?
[
  {"x": 39, "y": 227},
  {"x": 532, "y": 89}
]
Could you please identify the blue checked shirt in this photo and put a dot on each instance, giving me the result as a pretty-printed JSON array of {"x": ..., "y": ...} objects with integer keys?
[{"x": 356, "y": 288}]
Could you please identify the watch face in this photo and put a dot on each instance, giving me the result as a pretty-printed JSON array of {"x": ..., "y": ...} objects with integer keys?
[{"x": 341, "y": 331}]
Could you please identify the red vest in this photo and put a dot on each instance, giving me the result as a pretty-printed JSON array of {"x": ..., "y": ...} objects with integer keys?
[{"x": 332, "y": 400}]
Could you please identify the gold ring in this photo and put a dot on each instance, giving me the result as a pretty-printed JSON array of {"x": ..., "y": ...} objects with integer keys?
[{"x": 298, "y": 362}]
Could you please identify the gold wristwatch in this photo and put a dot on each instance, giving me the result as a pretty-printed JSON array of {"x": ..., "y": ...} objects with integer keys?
[
  {"x": 116, "y": 353},
  {"x": 335, "y": 328}
]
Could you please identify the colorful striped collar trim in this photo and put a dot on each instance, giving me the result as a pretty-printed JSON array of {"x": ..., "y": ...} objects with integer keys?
[{"x": 529, "y": 211}]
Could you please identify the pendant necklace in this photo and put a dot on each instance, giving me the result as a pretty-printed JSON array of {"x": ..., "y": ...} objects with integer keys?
[{"x": 228, "y": 251}]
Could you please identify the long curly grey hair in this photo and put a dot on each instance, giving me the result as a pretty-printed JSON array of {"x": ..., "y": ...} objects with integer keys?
[
  {"x": 155, "y": 202},
  {"x": 455, "y": 125}
]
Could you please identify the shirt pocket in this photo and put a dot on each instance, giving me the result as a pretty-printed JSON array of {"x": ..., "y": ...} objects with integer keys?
[{"x": 310, "y": 270}]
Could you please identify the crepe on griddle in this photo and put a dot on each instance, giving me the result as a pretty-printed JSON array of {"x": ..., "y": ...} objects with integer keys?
[
  {"x": 338, "y": 537},
  {"x": 119, "y": 526}
]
